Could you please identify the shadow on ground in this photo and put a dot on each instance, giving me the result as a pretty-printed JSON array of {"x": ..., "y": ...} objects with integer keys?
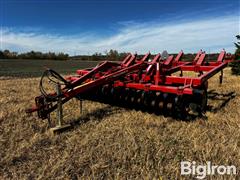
[
  {"x": 99, "y": 114},
  {"x": 222, "y": 98}
]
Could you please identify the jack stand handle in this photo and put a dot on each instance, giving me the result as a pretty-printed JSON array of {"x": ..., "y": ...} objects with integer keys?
[
  {"x": 59, "y": 105},
  {"x": 221, "y": 77}
]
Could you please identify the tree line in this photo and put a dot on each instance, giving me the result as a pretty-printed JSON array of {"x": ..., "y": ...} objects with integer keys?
[
  {"x": 7, "y": 54},
  {"x": 111, "y": 55}
]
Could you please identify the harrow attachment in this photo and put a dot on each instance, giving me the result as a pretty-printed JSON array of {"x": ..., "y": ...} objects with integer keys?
[{"x": 162, "y": 85}]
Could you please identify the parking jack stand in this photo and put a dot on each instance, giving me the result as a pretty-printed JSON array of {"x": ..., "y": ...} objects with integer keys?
[{"x": 60, "y": 126}]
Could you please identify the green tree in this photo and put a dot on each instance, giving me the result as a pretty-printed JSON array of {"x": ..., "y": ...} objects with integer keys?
[
  {"x": 236, "y": 64},
  {"x": 237, "y": 44}
]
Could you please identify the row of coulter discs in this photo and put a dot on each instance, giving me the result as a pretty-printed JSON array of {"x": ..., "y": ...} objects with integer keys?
[{"x": 167, "y": 104}]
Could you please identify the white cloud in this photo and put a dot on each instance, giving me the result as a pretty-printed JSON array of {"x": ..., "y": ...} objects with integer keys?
[{"x": 208, "y": 34}]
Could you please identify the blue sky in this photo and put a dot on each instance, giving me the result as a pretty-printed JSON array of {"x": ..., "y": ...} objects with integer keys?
[{"x": 88, "y": 26}]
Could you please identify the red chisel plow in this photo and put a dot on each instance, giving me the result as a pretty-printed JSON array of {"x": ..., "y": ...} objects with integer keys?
[{"x": 151, "y": 83}]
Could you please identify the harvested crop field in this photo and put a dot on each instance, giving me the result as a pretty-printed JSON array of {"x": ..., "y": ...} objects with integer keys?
[
  {"x": 113, "y": 142},
  {"x": 35, "y": 67}
]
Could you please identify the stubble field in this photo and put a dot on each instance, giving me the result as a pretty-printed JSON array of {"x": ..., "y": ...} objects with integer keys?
[{"x": 113, "y": 142}]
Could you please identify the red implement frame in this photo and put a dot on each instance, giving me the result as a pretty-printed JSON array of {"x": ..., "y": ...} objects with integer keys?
[{"x": 141, "y": 75}]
